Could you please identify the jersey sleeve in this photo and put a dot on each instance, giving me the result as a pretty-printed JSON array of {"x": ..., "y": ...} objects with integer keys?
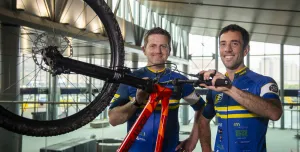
[
  {"x": 191, "y": 97},
  {"x": 209, "y": 109},
  {"x": 268, "y": 89},
  {"x": 132, "y": 91},
  {"x": 195, "y": 101},
  {"x": 187, "y": 89},
  {"x": 121, "y": 97}
]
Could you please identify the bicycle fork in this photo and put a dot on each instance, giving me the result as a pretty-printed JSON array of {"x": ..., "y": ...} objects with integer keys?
[{"x": 160, "y": 93}]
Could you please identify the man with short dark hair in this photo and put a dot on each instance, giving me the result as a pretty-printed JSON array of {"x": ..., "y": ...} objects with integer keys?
[
  {"x": 128, "y": 101},
  {"x": 244, "y": 108}
]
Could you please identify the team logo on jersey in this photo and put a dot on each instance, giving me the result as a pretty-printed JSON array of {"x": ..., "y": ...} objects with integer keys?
[
  {"x": 273, "y": 88},
  {"x": 269, "y": 88},
  {"x": 218, "y": 98}
]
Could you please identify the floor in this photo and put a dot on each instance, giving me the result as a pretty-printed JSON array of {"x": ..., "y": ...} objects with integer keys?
[{"x": 277, "y": 140}]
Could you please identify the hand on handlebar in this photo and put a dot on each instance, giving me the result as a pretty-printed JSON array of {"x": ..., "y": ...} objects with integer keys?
[
  {"x": 213, "y": 75},
  {"x": 141, "y": 95}
]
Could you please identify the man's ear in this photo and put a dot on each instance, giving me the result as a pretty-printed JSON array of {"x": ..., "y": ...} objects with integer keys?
[
  {"x": 143, "y": 49},
  {"x": 246, "y": 50}
]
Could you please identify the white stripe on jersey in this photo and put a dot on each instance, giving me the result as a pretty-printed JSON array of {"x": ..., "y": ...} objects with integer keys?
[
  {"x": 192, "y": 98},
  {"x": 269, "y": 88}
]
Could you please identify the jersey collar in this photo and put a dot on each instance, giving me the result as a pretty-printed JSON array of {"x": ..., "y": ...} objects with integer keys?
[
  {"x": 239, "y": 72},
  {"x": 154, "y": 71}
]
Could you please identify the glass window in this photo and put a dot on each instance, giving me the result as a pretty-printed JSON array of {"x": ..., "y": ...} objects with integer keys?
[
  {"x": 201, "y": 53},
  {"x": 265, "y": 59},
  {"x": 257, "y": 48},
  {"x": 143, "y": 16},
  {"x": 291, "y": 67}
]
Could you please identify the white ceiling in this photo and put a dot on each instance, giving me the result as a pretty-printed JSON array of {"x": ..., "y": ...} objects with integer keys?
[{"x": 273, "y": 21}]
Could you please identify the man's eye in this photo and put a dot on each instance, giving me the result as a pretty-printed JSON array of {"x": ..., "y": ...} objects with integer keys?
[
  {"x": 164, "y": 46},
  {"x": 235, "y": 44}
]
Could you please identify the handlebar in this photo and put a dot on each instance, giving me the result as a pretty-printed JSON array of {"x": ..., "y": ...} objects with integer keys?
[
  {"x": 60, "y": 64},
  {"x": 218, "y": 83}
]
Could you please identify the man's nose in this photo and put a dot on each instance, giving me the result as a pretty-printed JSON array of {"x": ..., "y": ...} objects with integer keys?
[
  {"x": 228, "y": 48},
  {"x": 158, "y": 49}
]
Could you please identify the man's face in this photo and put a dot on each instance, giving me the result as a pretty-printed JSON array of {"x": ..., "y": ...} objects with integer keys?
[
  {"x": 157, "y": 49},
  {"x": 231, "y": 49}
]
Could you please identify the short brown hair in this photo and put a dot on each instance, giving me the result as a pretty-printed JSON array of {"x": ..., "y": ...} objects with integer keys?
[
  {"x": 234, "y": 27},
  {"x": 157, "y": 30}
]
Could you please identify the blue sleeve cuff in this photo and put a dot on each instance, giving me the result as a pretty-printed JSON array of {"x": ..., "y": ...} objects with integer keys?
[
  {"x": 270, "y": 96},
  {"x": 208, "y": 113},
  {"x": 121, "y": 97},
  {"x": 198, "y": 105}
]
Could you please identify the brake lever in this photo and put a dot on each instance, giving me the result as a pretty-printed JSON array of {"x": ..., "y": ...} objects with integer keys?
[
  {"x": 201, "y": 76},
  {"x": 201, "y": 79}
]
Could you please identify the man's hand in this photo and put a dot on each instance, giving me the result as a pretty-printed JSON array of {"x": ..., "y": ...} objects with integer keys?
[
  {"x": 188, "y": 145},
  {"x": 141, "y": 95},
  {"x": 218, "y": 75}
]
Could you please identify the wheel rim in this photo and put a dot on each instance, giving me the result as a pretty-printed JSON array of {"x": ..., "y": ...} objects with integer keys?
[{"x": 69, "y": 49}]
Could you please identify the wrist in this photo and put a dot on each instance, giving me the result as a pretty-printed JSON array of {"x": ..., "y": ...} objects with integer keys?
[
  {"x": 135, "y": 103},
  {"x": 230, "y": 90}
]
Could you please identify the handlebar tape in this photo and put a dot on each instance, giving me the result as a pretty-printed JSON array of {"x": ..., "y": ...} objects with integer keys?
[{"x": 220, "y": 82}]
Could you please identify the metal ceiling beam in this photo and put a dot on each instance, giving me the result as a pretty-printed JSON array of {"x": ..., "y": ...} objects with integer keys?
[
  {"x": 215, "y": 19},
  {"x": 228, "y": 6},
  {"x": 249, "y": 33},
  {"x": 254, "y": 8},
  {"x": 290, "y": 20},
  {"x": 24, "y": 19},
  {"x": 256, "y": 15},
  {"x": 176, "y": 2},
  {"x": 60, "y": 6},
  {"x": 223, "y": 15}
]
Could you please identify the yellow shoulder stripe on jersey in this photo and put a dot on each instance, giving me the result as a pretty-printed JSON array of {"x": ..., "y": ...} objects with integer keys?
[
  {"x": 116, "y": 96},
  {"x": 239, "y": 72},
  {"x": 247, "y": 115},
  {"x": 230, "y": 108},
  {"x": 172, "y": 101}
]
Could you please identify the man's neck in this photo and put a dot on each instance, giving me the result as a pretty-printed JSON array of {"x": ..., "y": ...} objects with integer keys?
[
  {"x": 231, "y": 72},
  {"x": 156, "y": 68}
]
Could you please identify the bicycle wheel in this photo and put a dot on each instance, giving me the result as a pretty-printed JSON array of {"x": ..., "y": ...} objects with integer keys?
[{"x": 26, "y": 126}]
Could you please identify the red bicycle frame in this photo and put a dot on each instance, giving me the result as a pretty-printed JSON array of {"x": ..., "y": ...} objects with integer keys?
[
  {"x": 159, "y": 93},
  {"x": 162, "y": 94}
]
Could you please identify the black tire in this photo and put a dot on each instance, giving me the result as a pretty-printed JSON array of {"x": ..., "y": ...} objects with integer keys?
[{"x": 21, "y": 125}]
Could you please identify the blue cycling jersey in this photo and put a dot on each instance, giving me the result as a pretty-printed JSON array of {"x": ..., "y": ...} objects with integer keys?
[
  {"x": 146, "y": 140},
  {"x": 240, "y": 130}
]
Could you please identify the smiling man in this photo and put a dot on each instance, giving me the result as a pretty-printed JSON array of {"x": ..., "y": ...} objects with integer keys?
[
  {"x": 242, "y": 109},
  {"x": 128, "y": 101}
]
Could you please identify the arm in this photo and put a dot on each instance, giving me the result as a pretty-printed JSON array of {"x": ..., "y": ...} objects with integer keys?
[
  {"x": 205, "y": 134},
  {"x": 121, "y": 114},
  {"x": 121, "y": 109},
  {"x": 269, "y": 108},
  {"x": 195, "y": 130},
  {"x": 266, "y": 105},
  {"x": 197, "y": 104},
  {"x": 204, "y": 127},
  {"x": 198, "y": 107}
]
